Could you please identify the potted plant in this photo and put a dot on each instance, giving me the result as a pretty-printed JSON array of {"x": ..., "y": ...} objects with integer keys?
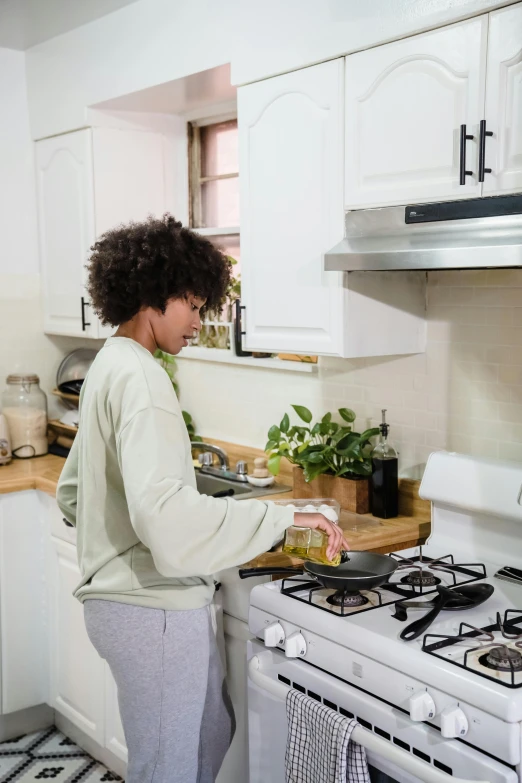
[
  {"x": 168, "y": 362},
  {"x": 330, "y": 458}
]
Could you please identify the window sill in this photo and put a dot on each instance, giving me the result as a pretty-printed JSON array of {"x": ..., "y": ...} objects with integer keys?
[
  {"x": 216, "y": 232},
  {"x": 223, "y": 356}
]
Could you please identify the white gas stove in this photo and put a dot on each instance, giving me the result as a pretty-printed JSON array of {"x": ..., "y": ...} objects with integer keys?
[{"x": 453, "y": 697}]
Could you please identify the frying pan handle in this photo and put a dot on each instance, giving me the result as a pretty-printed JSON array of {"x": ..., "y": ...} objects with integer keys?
[
  {"x": 417, "y": 627},
  {"x": 245, "y": 573}
]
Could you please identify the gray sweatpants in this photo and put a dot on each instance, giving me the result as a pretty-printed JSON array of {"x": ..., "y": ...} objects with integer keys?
[{"x": 175, "y": 709}]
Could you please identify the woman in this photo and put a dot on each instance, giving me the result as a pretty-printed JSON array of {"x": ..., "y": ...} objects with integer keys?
[{"x": 148, "y": 542}]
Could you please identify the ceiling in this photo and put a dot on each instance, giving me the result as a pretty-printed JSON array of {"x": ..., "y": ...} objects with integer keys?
[{"x": 25, "y": 23}]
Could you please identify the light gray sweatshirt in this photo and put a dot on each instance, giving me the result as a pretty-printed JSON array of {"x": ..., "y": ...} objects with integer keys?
[{"x": 145, "y": 535}]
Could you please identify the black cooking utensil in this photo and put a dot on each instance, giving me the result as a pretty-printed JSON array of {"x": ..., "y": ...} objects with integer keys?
[{"x": 465, "y": 597}]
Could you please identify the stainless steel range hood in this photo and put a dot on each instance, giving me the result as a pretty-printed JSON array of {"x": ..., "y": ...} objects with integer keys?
[{"x": 471, "y": 234}]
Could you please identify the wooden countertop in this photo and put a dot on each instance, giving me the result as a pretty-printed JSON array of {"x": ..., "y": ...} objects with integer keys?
[
  {"x": 364, "y": 531},
  {"x": 36, "y": 473}
]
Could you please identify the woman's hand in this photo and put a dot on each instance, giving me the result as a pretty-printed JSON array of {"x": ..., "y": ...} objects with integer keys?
[{"x": 336, "y": 540}]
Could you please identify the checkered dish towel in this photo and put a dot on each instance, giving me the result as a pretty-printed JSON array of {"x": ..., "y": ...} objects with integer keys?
[{"x": 318, "y": 748}]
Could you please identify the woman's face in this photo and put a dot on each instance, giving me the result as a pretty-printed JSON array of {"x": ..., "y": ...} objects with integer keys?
[{"x": 176, "y": 327}]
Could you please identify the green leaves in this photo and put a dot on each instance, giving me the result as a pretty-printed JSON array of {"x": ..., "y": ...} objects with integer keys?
[
  {"x": 325, "y": 446},
  {"x": 274, "y": 463},
  {"x": 303, "y": 413},
  {"x": 274, "y": 433}
]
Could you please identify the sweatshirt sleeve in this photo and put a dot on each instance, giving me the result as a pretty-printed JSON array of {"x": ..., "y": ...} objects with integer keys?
[
  {"x": 188, "y": 534},
  {"x": 67, "y": 489}
]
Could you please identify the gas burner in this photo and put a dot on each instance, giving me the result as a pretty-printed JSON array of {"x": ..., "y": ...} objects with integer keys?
[
  {"x": 420, "y": 578},
  {"x": 502, "y": 659},
  {"x": 341, "y": 598},
  {"x": 421, "y": 574},
  {"x": 493, "y": 652}
]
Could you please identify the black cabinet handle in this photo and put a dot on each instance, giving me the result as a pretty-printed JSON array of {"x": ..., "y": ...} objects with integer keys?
[
  {"x": 482, "y": 150},
  {"x": 67, "y": 523},
  {"x": 463, "y": 138},
  {"x": 84, "y": 322},
  {"x": 238, "y": 330}
]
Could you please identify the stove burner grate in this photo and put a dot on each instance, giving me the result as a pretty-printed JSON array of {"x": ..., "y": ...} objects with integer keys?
[
  {"x": 497, "y": 657},
  {"x": 421, "y": 578},
  {"x": 340, "y": 603}
]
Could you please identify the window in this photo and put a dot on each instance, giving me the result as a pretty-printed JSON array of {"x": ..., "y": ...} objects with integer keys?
[
  {"x": 214, "y": 176},
  {"x": 214, "y": 208}
]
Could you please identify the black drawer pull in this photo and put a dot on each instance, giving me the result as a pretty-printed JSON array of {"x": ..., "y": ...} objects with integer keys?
[
  {"x": 67, "y": 523},
  {"x": 482, "y": 150},
  {"x": 463, "y": 138}
]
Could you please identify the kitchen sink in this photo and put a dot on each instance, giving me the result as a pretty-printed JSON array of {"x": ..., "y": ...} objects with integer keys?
[{"x": 210, "y": 485}]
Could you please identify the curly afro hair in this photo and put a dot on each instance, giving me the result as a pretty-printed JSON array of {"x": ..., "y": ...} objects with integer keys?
[{"x": 146, "y": 264}]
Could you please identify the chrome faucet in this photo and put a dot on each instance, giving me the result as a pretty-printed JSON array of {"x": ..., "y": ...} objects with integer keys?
[
  {"x": 223, "y": 471},
  {"x": 208, "y": 448}
]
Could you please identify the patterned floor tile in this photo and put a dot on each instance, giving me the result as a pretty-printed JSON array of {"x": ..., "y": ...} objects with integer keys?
[
  {"x": 49, "y": 755},
  {"x": 58, "y": 744},
  {"x": 99, "y": 775}
]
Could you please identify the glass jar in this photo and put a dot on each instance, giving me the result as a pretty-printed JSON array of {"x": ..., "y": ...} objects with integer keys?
[
  {"x": 304, "y": 542},
  {"x": 24, "y": 406}
]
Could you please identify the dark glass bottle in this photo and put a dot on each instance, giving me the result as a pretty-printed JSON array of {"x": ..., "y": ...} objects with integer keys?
[{"x": 385, "y": 476}]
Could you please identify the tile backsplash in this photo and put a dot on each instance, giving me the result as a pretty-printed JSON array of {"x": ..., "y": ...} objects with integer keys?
[{"x": 463, "y": 394}]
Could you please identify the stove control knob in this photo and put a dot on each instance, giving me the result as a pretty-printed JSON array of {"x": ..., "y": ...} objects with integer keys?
[
  {"x": 295, "y": 645},
  {"x": 453, "y": 722},
  {"x": 274, "y": 634},
  {"x": 422, "y": 706}
]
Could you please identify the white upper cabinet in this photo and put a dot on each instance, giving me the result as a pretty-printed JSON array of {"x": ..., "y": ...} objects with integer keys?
[
  {"x": 291, "y": 132},
  {"x": 88, "y": 182},
  {"x": 66, "y": 230},
  {"x": 291, "y": 190},
  {"x": 503, "y": 115},
  {"x": 405, "y": 104}
]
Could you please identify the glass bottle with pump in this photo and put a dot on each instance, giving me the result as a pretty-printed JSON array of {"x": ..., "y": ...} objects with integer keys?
[{"x": 385, "y": 476}]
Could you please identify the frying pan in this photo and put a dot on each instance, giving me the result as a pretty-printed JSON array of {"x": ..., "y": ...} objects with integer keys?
[{"x": 357, "y": 571}]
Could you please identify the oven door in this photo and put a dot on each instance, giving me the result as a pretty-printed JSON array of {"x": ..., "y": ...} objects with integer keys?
[{"x": 409, "y": 752}]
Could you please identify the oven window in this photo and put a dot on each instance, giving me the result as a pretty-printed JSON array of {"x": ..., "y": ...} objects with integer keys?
[{"x": 376, "y": 776}]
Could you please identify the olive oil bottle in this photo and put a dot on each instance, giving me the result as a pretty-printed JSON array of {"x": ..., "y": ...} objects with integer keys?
[{"x": 385, "y": 476}]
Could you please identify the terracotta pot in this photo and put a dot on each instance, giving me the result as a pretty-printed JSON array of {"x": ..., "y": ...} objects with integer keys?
[{"x": 352, "y": 494}]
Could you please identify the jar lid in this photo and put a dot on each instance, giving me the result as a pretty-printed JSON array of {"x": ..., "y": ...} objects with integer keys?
[{"x": 29, "y": 378}]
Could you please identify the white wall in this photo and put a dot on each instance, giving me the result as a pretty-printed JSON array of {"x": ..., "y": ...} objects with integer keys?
[
  {"x": 463, "y": 394},
  {"x": 18, "y": 249},
  {"x": 155, "y": 41},
  {"x": 23, "y": 345}
]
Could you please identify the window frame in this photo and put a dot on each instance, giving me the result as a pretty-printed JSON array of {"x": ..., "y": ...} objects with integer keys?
[{"x": 194, "y": 174}]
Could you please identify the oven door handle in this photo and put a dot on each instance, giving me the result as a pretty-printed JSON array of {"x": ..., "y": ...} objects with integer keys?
[{"x": 362, "y": 736}]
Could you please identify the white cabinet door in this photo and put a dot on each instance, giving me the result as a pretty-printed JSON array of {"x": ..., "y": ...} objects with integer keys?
[
  {"x": 114, "y": 736},
  {"x": 291, "y": 189},
  {"x": 23, "y": 603},
  {"x": 77, "y": 671},
  {"x": 66, "y": 230},
  {"x": 503, "y": 114},
  {"x": 88, "y": 182},
  {"x": 405, "y": 103},
  {"x": 235, "y": 764}
]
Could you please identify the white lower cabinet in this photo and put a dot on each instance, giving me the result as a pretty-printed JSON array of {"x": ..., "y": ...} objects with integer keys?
[
  {"x": 24, "y": 660},
  {"x": 114, "y": 736},
  {"x": 77, "y": 671},
  {"x": 235, "y": 765}
]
